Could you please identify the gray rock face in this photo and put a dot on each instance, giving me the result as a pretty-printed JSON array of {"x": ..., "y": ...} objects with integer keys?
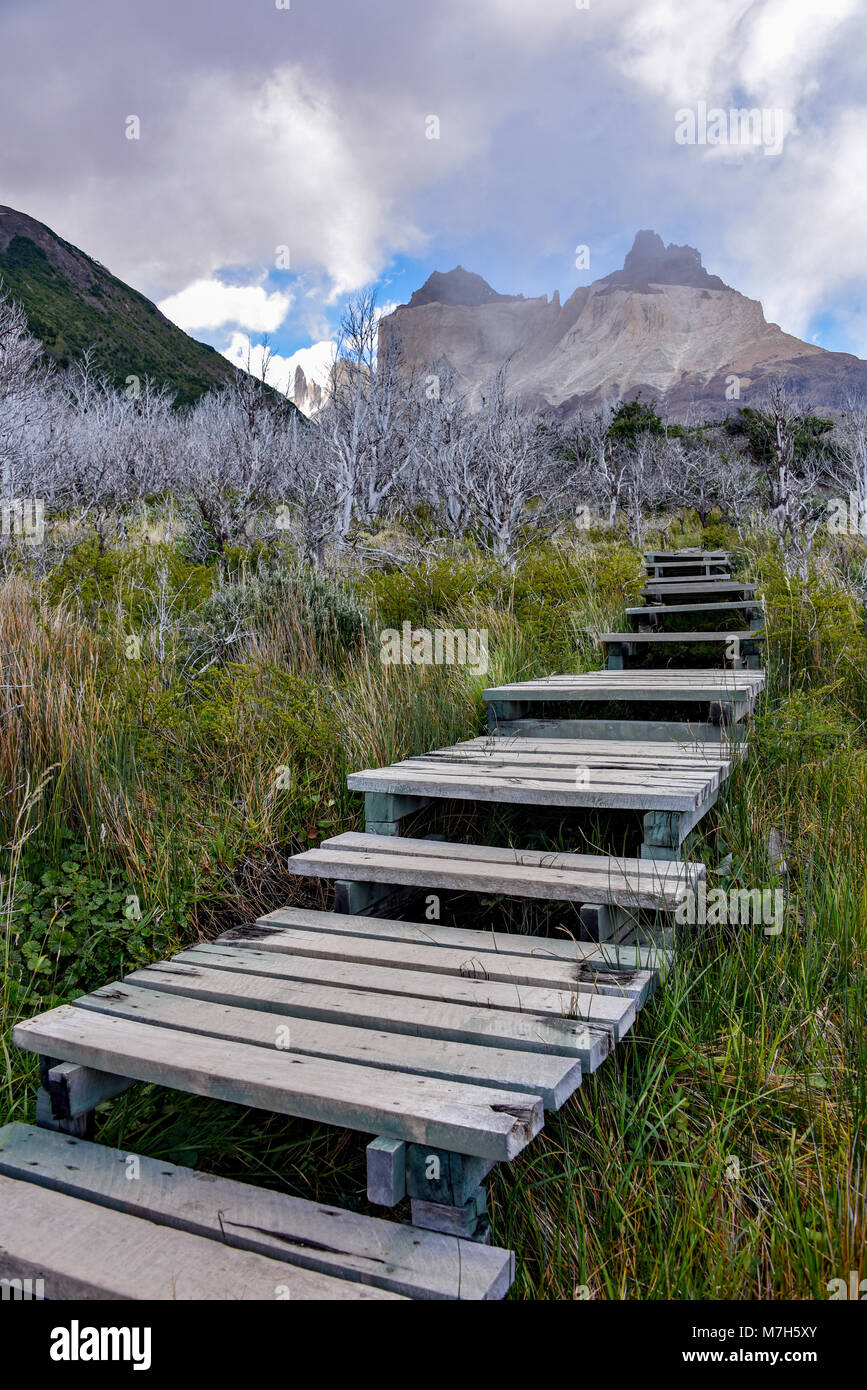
[
  {"x": 307, "y": 395},
  {"x": 663, "y": 326}
]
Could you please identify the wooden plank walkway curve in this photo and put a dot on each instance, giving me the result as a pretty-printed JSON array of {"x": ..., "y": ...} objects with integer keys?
[{"x": 444, "y": 1043}]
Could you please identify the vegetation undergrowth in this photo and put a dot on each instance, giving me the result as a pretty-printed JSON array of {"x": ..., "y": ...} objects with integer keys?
[{"x": 170, "y": 730}]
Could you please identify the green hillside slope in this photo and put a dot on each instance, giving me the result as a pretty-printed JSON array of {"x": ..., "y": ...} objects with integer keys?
[{"x": 73, "y": 303}]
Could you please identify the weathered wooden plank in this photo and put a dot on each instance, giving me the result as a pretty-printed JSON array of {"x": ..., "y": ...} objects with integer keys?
[
  {"x": 596, "y": 791},
  {"x": 564, "y": 947},
  {"x": 560, "y": 764},
  {"x": 645, "y": 752},
  {"x": 513, "y": 880},
  {"x": 410, "y": 1016},
  {"x": 84, "y": 1251},
  {"x": 712, "y": 635},
  {"x": 548, "y": 767},
  {"x": 554, "y": 1078},
  {"x": 511, "y": 766},
  {"x": 662, "y": 609},
  {"x": 699, "y": 685},
  {"x": 599, "y": 869},
  {"x": 399, "y": 1258},
  {"x": 624, "y": 729},
  {"x": 690, "y": 564},
  {"x": 520, "y": 873},
  {"x": 468, "y": 1119},
  {"x": 672, "y": 585},
  {"x": 617, "y": 1012},
  {"x": 414, "y": 955},
  {"x": 689, "y": 552}
]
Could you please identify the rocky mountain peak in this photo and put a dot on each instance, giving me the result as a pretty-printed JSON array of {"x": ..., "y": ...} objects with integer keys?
[
  {"x": 651, "y": 262},
  {"x": 459, "y": 286},
  {"x": 661, "y": 327}
]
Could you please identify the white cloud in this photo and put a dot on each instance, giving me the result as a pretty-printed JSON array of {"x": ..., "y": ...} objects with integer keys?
[
  {"x": 800, "y": 253},
  {"x": 263, "y": 128},
  {"x": 211, "y": 304},
  {"x": 315, "y": 361}
]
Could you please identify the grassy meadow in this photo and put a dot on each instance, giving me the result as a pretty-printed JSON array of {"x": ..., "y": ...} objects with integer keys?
[{"x": 170, "y": 731}]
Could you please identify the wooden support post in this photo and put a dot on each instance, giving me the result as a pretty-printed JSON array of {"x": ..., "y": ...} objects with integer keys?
[
  {"x": 386, "y": 1171},
  {"x": 446, "y": 1193},
  {"x": 751, "y": 649},
  {"x": 756, "y": 616},
  {"x": 662, "y": 835},
  {"x": 722, "y": 712},
  {"x": 75, "y": 1090},
  {"x": 647, "y": 620},
  {"x": 437, "y": 1175},
  {"x": 665, "y": 832},
  {"x": 600, "y": 921},
  {"x": 615, "y": 655},
  {"x": 383, "y": 811},
  {"x": 55, "y": 1116},
  {"x": 469, "y": 1221},
  {"x": 500, "y": 710},
  {"x": 362, "y": 899},
  {"x": 82, "y": 1126}
]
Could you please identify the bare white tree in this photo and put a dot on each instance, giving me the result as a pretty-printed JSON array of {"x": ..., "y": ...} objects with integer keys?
[
  {"x": 28, "y": 406},
  {"x": 514, "y": 484}
]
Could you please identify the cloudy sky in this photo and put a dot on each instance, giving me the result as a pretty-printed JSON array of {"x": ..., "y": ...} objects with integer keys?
[{"x": 291, "y": 152}]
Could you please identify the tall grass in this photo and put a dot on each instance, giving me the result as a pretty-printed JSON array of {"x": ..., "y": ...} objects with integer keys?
[{"x": 720, "y": 1151}]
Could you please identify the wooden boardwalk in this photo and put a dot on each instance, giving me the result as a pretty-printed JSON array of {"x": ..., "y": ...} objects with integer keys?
[
  {"x": 643, "y": 777},
  {"x": 445, "y": 1044},
  {"x": 713, "y": 705},
  {"x": 70, "y": 1215}
]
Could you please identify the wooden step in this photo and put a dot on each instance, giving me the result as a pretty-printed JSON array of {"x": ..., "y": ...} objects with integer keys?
[
  {"x": 662, "y": 609},
  {"x": 562, "y": 948},
  {"x": 690, "y": 564},
  {"x": 739, "y": 688},
  {"x": 584, "y": 878},
  {"x": 70, "y": 1213},
  {"x": 740, "y": 634},
  {"x": 688, "y": 569},
  {"x": 140, "y": 997},
  {"x": 664, "y": 776},
  {"x": 688, "y": 553},
  {"x": 409, "y": 1016},
  {"x": 467, "y": 1119},
  {"x": 368, "y": 948},
  {"x": 662, "y": 588},
  {"x": 617, "y": 1011}
]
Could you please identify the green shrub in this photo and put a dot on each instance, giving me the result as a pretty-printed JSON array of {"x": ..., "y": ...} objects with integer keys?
[
  {"x": 71, "y": 931},
  {"x": 307, "y": 613}
]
